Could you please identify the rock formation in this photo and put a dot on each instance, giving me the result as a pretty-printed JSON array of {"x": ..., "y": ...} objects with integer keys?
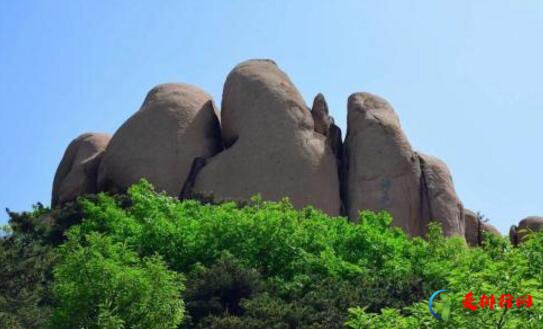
[
  {"x": 439, "y": 199},
  {"x": 475, "y": 227},
  {"x": 324, "y": 124},
  {"x": 517, "y": 234},
  {"x": 489, "y": 228},
  {"x": 321, "y": 118},
  {"x": 76, "y": 173},
  {"x": 272, "y": 147},
  {"x": 270, "y": 143},
  {"x": 176, "y": 123},
  {"x": 382, "y": 172},
  {"x": 472, "y": 226}
]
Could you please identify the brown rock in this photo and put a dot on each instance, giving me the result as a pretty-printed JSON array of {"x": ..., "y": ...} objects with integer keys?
[
  {"x": 472, "y": 228},
  {"x": 78, "y": 169},
  {"x": 176, "y": 123},
  {"x": 513, "y": 236},
  {"x": 440, "y": 202},
  {"x": 324, "y": 124},
  {"x": 475, "y": 227},
  {"x": 319, "y": 112},
  {"x": 489, "y": 228},
  {"x": 273, "y": 149},
  {"x": 382, "y": 171},
  {"x": 529, "y": 224}
]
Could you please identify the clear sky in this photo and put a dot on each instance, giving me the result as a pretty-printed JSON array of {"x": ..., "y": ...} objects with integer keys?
[{"x": 466, "y": 78}]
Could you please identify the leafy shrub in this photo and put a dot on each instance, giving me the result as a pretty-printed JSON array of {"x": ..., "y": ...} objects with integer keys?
[
  {"x": 103, "y": 284},
  {"x": 220, "y": 289}
]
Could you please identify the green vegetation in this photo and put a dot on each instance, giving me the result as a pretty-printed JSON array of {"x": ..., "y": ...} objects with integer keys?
[{"x": 145, "y": 260}]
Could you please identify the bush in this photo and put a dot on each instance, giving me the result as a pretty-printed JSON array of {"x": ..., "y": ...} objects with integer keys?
[{"x": 102, "y": 284}]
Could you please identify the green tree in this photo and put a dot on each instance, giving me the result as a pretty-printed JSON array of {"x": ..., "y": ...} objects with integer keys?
[{"x": 102, "y": 284}]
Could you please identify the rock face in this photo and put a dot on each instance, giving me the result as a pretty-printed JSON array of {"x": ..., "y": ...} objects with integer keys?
[
  {"x": 474, "y": 228},
  {"x": 489, "y": 228},
  {"x": 324, "y": 124},
  {"x": 272, "y": 146},
  {"x": 176, "y": 123},
  {"x": 321, "y": 118},
  {"x": 78, "y": 169},
  {"x": 381, "y": 170},
  {"x": 439, "y": 199},
  {"x": 518, "y": 233}
]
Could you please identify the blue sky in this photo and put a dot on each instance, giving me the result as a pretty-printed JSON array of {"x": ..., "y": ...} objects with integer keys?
[{"x": 466, "y": 78}]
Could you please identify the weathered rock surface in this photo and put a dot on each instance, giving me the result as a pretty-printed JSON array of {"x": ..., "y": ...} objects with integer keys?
[
  {"x": 176, "y": 123},
  {"x": 381, "y": 170},
  {"x": 77, "y": 172},
  {"x": 439, "y": 199},
  {"x": 273, "y": 149},
  {"x": 276, "y": 147},
  {"x": 529, "y": 224}
]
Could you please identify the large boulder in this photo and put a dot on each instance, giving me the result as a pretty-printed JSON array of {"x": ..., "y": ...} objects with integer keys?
[
  {"x": 529, "y": 224},
  {"x": 382, "y": 172},
  {"x": 439, "y": 200},
  {"x": 77, "y": 172},
  {"x": 176, "y": 124},
  {"x": 272, "y": 147}
]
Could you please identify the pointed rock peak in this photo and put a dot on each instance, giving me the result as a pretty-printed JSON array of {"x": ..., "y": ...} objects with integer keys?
[
  {"x": 319, "y": 112},
  {"x": 319, "y": 104}
]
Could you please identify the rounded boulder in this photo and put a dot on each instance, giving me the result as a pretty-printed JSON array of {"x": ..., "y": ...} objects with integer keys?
[
  {"x": 176, "y": 124},
  {"x": 272, "y": 148},
  {"x": 77, "y": 172},
  {"x": 382, "y": 172}
]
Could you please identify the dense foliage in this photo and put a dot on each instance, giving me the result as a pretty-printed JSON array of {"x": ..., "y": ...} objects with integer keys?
[{"x": 149, "y": 261}]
